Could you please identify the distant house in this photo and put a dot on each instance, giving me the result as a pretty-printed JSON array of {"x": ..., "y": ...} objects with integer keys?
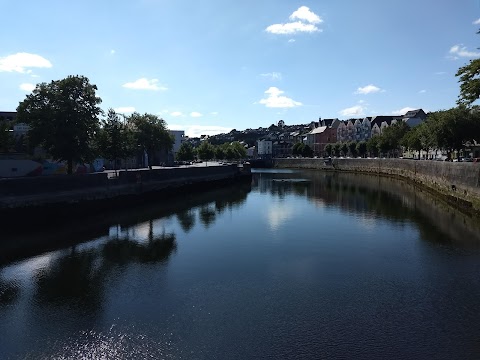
[
  {"x": 319, "y": 137},
  {"x": 414, "y": 117},
  {"x": 179, "y": 138},
  {"x": 264, "y": 148},
  {"x": 8, "y": 116}
]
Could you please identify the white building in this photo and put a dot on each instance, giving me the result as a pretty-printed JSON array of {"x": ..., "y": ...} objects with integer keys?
[
  {"x": 179, "y": 138},
  {"x": 264, "y": 148}
]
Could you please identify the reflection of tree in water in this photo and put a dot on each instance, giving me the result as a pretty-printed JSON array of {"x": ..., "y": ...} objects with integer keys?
[
  {"x": 186, "y": 219},
  {"x": 72, "y": 278},
  {"x": 123, "y": 251},
  {"x": 207, "y": 215},
  {"x": 80, "y": 276},
  {"x": 9, "y": 292}
]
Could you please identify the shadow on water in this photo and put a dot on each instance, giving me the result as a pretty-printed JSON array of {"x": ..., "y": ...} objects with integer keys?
[
  {"x": 29, "y": 240},
  {"x": 378, "y": 198},
  {"x": 79, "y": 277}
]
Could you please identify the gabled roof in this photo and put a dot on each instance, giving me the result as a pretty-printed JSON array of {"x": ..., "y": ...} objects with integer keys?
[
  {"x": 381, "y": 118},
  {"x": 415, "y": 113},
  {"x": 318, "y": 130}
]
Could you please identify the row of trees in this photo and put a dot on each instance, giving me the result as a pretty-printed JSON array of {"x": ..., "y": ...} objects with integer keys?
[
  {"x": 64, "y": 119},
  {"x": 207, "y": 151}
]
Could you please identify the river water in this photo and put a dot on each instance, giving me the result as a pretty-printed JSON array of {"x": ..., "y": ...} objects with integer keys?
[{"x": 294, "y": 265}]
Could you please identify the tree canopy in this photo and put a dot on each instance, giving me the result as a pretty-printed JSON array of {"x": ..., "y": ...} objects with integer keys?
[
  {"x": 63, "y": 118},
  {"x": 151, "y": 134},
  {"x": 186, "y": 152},
  {"x": 115, "y": 139},
  {"x": 469, "y": 79}
]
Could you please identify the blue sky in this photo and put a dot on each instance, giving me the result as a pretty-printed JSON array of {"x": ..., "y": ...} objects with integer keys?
[{"x": 210, "y": 66}]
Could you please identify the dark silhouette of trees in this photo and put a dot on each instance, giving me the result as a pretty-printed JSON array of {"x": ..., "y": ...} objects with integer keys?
[{"x": 63, "y": 118}]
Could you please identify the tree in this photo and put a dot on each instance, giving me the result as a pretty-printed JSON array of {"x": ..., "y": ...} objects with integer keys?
[
  {"x": 115, "y": 140},
  {"x": 389, "y": 140},
  {"x": 469, "y": 82},
  {"x": 185, "y": 153},
  {"x": 6, "y": 137},
  {"x": 361, "y": 148},
  {"x": 63, "y": 118},
  {"x": 336, "y": 148},
  {"x": 239, "y": 150},
  {"x": 352, "y": 148},
  {"x": 151, "y": 135},
  {"x": 206, "y": 151},
  {"x": 307, "y": 151},
  {"x": 452, "y": 128},
  {"x": 372, "y": 145},
  {"x": 344, "y": 149},
  {"x": 329, "y": 149},
  {"x": 297, "y": 149}
]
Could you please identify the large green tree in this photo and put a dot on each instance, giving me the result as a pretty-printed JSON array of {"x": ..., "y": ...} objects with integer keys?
[
  {"x": 63, "y": 118},
  {"x": 452, "y": 128},
  {"x": 152, "y": 135}
]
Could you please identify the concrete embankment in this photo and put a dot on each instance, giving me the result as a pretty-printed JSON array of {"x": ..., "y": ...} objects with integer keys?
[
  {"x": 97, "y": 189},
  {"x": 457, "y": 183}
]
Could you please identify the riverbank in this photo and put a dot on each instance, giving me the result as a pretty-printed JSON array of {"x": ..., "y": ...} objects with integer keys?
[
  {"x": 82, "y": 192},
  {"x": 456, "y": 183}
]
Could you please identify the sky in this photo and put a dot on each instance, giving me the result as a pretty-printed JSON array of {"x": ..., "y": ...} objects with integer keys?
[{"x": 211, "y": 66}]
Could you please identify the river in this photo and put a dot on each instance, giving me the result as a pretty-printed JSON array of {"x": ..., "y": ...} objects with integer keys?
[{"x": 294, "y": 265}]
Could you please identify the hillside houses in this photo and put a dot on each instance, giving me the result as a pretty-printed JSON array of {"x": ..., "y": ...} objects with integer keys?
[{"x": 316, "y": 134}]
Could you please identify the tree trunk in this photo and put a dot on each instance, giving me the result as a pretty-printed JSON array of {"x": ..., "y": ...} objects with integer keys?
[{"x": 69, "y": 166}]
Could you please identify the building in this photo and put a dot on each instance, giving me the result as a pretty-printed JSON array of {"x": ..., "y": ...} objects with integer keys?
[
  {"x": 264, "y": 148},
  {"x": 414, "y": 117},
  {"x": 179, "y": 138},
  {"x": 319, "y": 137}
]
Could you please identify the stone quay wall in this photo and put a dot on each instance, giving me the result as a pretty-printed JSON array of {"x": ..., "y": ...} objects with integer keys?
[
  {"x": 28, "y": 192},
  {"x": 458, "y": 183}
]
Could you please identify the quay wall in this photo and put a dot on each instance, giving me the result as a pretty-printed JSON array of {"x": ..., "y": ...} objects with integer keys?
[
  {"x": 26, "y": 192},
  {"x": 458, "y": 183}
]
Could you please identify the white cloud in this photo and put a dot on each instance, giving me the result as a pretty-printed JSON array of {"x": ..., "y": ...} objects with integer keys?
[
  {"x": 145, "y": 84},
  {"x": 21, "y": 62},
  {"x": 476, "y": 22},
  {"x": 176, "y": 113},
  {"x": 292, "y": 28},
  {"x": 275, "y": 99},
  {"x": 112, "y": 52},
  {"x": 302, "y": 20},
  {"x": 197, "y": 130},
  {"x": 461, "y": 51},
  {"x": 304, "y": 13},
  {"x": 369, "y": 89},
  {"x": 272, "y": 76},
  {"x": 403, "y": 111},
  {"x": 124, "y": 109},
  {"x": 422, "y": 91},
  {"x": 291, "y": 40},
  {"x": 214, "y": 113},
  {"x": 195, "y": 114},
  {"x": 356, "y": 110},
  {"x": 27, "y": 87}
]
